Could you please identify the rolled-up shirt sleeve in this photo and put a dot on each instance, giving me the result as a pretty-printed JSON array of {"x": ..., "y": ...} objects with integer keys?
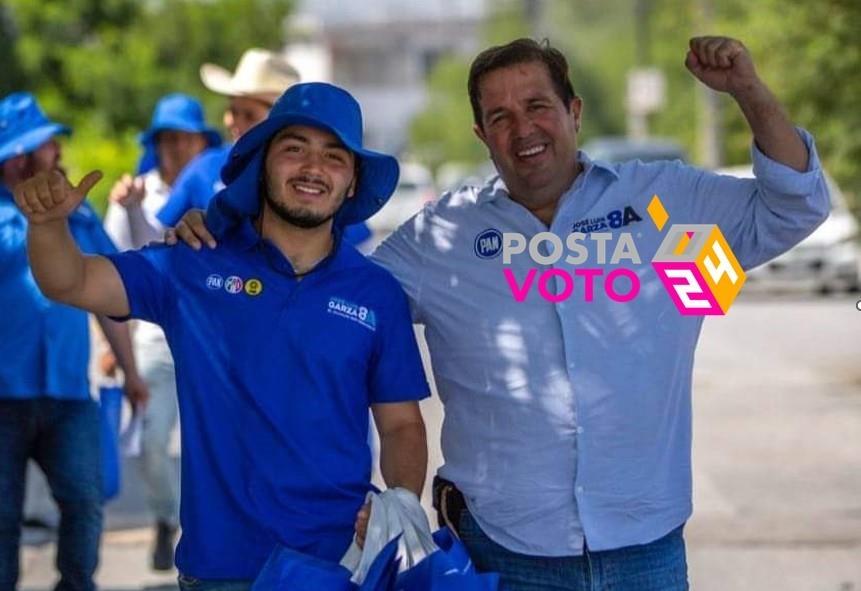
[{"x": 764, "y": 216}]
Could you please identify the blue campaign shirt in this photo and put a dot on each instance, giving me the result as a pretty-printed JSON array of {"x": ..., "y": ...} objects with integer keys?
[
  {"x": 572, "y": 420},
  {"x": 274, "y": 378},
  {"x": 44, "y": 346},
  {"x": 195, "y": 186},
  {"x": 200, "y": 180}
]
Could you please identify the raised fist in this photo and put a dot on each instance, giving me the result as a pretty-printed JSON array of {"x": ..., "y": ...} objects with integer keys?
[{"x": 722, "y": 64}]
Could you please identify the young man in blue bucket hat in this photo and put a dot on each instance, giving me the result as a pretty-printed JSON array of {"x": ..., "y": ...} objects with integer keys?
[
  {"x": 46, "y": 412},
  {"x": 261, "y": 76},
  {"x": 177, "y": 133},
  {"x": 283, "y": 337}
]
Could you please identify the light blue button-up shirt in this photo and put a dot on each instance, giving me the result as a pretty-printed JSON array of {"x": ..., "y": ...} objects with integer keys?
[
  {"x": 572, "y": 421},
  {"x": 44, "y": 346}
]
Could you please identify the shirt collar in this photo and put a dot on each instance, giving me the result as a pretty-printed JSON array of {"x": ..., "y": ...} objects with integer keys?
[
  {"x": 495, "y": 187},
  {"x": 246, "y": 237}
]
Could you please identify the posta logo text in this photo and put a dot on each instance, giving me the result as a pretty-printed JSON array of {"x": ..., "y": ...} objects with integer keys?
[{"x": 695, "y": 264}]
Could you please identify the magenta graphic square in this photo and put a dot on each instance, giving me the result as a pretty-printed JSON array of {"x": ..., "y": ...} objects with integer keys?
[{"x": 713, "y": 308}]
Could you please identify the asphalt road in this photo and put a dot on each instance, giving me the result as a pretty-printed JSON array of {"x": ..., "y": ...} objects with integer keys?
[{"x": 777, "y": 457}]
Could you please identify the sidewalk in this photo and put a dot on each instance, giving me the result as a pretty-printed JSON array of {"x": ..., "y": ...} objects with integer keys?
[{"x": 124, "y": 564}]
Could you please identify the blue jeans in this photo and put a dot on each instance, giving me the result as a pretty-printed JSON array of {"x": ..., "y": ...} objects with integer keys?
[
  {"x": 187, "y": 583},
  {"x": 157, "y": 468},
  {"x": 657, "y": 566},
  {"x": 63, "y": 437}
]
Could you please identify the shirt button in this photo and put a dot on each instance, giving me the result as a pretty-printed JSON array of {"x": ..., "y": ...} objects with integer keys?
[
  {"x": 579, "y": 490},
  {"x": 580, "y": 430}
]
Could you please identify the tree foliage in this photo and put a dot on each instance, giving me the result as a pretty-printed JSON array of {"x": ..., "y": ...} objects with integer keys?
[
  {"x": 809, "y": 53},
  {"x": 100, "y": 65}
]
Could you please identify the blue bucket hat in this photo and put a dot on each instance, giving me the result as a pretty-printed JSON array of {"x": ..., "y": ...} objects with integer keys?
[
  {"x": 315, "y": 104},
  {"x": 23, "y": 126},
  {"x": 174, "y": 112}
]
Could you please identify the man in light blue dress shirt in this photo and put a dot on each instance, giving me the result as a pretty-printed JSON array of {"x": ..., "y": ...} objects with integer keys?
[
  {"x": 567, "y": 430},
  {"x": 568, "y": 425}
]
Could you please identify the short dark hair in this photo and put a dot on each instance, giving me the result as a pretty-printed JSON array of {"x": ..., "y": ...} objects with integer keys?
[{"x": 519, "y": 51}]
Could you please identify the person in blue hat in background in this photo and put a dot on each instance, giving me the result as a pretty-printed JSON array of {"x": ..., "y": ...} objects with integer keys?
[
  {"x": 261, "y": 76},
  {"x": 284, "y": 336},
  {"x": 46, "y": 412},
  {"x": 177, "y": 133}
]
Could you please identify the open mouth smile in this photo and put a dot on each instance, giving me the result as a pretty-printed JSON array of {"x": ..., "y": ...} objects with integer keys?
[{"x": 531, "y": 152}]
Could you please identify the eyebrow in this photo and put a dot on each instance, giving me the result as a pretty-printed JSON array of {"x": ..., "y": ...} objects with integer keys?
[
  {"x": 538, "y": 98},
  {"x": 496, "y": 111},
  {"x": 289, "y": 135}
]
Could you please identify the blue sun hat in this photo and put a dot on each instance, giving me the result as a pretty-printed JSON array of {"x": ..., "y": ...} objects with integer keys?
[
  {"x": 174, "y": 112},
  {"x": 23, "y": 126},
  {"x": 315, "y": 104}
]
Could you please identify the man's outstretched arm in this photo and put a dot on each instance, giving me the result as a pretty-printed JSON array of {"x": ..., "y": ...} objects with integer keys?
[
  {"x": 63, "y": 273},
  {"x": 192, "y": 230}
]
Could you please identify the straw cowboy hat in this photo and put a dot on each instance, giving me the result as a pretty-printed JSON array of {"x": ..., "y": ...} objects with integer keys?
[{"x": 259, "y": 73}]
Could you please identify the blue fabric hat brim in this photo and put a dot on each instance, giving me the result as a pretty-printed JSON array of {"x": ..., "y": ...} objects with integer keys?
[
  {"x": 149, "y": 159},
  {"x": 378, "y": 173},
  {"x": 31, "y": 140}
]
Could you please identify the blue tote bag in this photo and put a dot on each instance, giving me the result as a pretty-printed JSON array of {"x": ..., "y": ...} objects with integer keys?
[{"x": 110, "y": 409}]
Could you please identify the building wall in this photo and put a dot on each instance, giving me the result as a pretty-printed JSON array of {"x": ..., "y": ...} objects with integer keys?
[{"x": 384, "y": 57}]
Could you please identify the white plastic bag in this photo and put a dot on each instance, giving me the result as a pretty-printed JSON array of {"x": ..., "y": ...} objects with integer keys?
[
  {"x": 131, "y": 438},
  {"x": 395, "y": 512}
]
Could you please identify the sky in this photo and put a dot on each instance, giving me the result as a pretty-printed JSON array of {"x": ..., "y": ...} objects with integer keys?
[{"x": 339, "y": 11}]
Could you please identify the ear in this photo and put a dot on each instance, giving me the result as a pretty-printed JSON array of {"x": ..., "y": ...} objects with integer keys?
[
  {"x": 575, "y": 108},
  {"x": 351, "y": 190},
  {"x": 479, "y": 133}
]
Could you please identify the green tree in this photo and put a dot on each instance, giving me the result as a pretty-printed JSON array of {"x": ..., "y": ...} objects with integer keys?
[
  {"x": 442, "y": 132},
  {"x": 809, "y": 53},
  {"x": 100, "y": 65}
]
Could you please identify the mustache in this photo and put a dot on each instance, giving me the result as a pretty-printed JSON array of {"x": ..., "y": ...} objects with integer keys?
[{"x": 313, "y": 181}]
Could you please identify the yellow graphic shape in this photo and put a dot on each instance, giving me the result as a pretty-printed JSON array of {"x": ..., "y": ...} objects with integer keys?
[
  {"x": 721, "y": 269},
  {"x": 657, "y": 212},
  {"x": 253, "y": 287},
  {"x": 682, "y": 246}
]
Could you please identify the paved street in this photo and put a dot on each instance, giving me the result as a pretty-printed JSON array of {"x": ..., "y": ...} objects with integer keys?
[{"x": 777, "y": 456}]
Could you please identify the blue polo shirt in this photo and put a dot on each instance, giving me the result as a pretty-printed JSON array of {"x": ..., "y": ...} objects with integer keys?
[
  {"x": 198, "y": 183},
  {"x": 195, "y": 185},
  {"x": 44, "y": 346},
  {"x": 275, "y": 377}
]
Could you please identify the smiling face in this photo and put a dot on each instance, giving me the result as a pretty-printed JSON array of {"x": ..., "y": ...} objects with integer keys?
[
  {"x": 309, "y": 174},
  {"x": 175, "y": 150},
  {"x": 244, "y": 112},
  {"x": 530, "y": 133}
]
